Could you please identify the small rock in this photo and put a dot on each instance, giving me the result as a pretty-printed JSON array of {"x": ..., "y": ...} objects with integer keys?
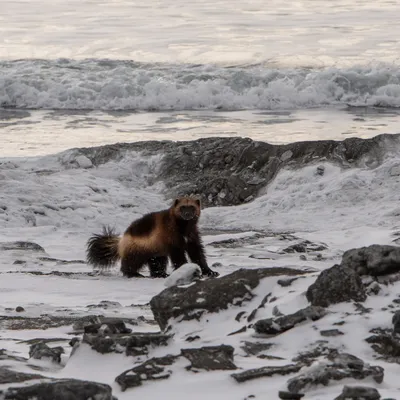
[
  {"x": 336, "y": 285},
  {"x": 396, "y": 322},
  {"x": 41, "y": 350},
  {"x": 83, "y": 162},
  {"x": 331, "y": 332},
  {"x": 373, "y": 288},
  {"x": 395, "y": 170},
  {"x": 286, "y": 155},
  {"x": 290, "y": 396},
  {"x": 253, "y": 348},
  {"x": 274, "y": 326},
  {"x": 286, "y": 282},
  {"x": 107, "y": 328},
  {"x": 20, "y": 309},
  {"x": 358, "y": 393},
  {"x": 266, "y": 371},
  {"x": 210, "y": 358},
  {"x": 320, "y": 170}
]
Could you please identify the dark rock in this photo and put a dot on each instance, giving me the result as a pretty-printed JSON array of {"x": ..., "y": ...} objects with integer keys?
[
  {"x": 396, "y": 322},
  {"x": 192, "y": 338},
  {"x": 358, "y": 393},
  {"x": 210, "y": 358},
  {"x": 107, "y": 328},
  {"x": 20, "y": 309},
  {"x": 41, "y": 350},
  {"x": 153, "y": 369},
  {"x": 105, "y": 304},
  {"x": 373, "y": 260},
  {"x": 290, "y": 396},
  {"x": 253, "y": 348},
  {"x": 335, "y": 285},
  {"x": 343, "y": 366},
  {"x": 265, "y": 372},
  {"x": 241, "y": 330},
  {"x": 331, "y": 332},
  {"x": 66, "y": 389},
  {"x": 304, "y": 247},
  {"x": 373, "y": 288},
  {"x": 7, "y": 355},
  {"x": 251, "y": 164},
  {"x": 386, "y": 345},
  {"x": 274, "y": 326},
  {"x": 233, "y": 289},
  {"x": 9, "y": 376},
  {"x": 133, "y": 344},
  {"x": 19, "y": 245}
]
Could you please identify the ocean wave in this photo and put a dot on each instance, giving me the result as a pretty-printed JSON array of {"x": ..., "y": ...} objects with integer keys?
[{"x": 127, "y": 85}]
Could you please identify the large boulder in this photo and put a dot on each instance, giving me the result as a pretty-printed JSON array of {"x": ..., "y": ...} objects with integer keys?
[
  {"x": 336, "y": 285},
  {"x": 373, "y": 260},
  {"x": 211, "y": 295}
]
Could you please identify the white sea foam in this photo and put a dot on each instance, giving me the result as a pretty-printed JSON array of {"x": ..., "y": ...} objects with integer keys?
[{"x": 124, "y": 85}]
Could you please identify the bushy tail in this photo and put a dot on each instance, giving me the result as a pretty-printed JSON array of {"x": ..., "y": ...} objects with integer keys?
[{"x": 102, "y": 249}]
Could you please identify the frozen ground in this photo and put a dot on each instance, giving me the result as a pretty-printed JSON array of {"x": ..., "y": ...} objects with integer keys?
[{"x": 57, "y": 207}]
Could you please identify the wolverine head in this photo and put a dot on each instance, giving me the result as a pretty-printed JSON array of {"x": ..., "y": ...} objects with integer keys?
[{"x": 187, "y": 208}]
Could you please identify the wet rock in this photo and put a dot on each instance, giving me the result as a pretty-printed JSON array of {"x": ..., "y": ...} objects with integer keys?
[
  {"x": 341, "y": 366},
  {"x": 336, "y": 285},
  {"x": 66, "y": 389},
  {"x": 210, "y": 358},
  {"x": 274, "y": 326},
  {"x": 212, "y": 295},
  {"x": 387, "y": 345},
  {"x": 396, "y": 322},
  {"x": 289, "y": 396},
  {"x": 331, "y": 333},
  {"x": 41, "y": 350},
  {"x": 9, "y": 376},
  {"x": 20, "y": 245},
  {"x": 132, "y": 344},
  {"x": 254, "y": 348},
  {"x": 358, "y": 393},
  {"x": 373, "y": 260},
  {"x": 266, "y": 372},
  {"x": 153, "y": 369}
]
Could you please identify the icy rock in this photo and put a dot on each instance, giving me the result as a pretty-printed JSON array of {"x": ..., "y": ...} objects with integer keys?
[
  {"x": 358, "y": 393},
  {"x": 335, "y": 285},
  {"x": 266, "y": 372},
  {"x": 341, "y": 366},
  {"x": 373, "y": 260},
  {"x": 274, "y": 326},
  {"x": 211, "y": 295},
  {"x": 83, "y": 162},
  {"x": 210, "y": 358},
  {"x": 66, "y": 389},
  {"x": 153, "y": 369},
  {"x": 184, "y": 275},
  {"x": 41, "y": 350},
  {"x": 9, "y": 376}
]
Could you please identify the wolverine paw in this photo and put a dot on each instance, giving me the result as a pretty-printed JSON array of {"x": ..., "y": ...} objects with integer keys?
[{"x": 211, "y": 273}]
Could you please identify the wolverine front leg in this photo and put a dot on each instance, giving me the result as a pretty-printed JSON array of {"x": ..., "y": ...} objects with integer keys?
[
  {"x": 177, "y": 255},
  {"x": 196, "y": 254},
  {"x": 158, "y": 267}
]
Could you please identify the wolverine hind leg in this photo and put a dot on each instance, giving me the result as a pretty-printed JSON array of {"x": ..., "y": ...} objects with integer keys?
[
  {"x": 132, "y": 263},
  {"x": 158, "y": 267}
]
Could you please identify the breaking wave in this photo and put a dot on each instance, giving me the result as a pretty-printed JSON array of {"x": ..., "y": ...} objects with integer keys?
[{"x": 127, "y": 85}]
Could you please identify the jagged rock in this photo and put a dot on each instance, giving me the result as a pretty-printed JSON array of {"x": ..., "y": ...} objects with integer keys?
[
  {"x": 335, "y": 285},
  {"x": 358, "y": 393},
  {"x": 387, "y": 345},
  {"x": 373, "y": 260},
  {"x": 107, "y": 328},
  {"x": 20, "y": 245},
  {"x": 341, "y": 366},
  {"x": 65, "y": 389},
  {"x": 133, "y": 344},
  {"x": 396, "y": 322},
  {"x": 331, "y": 332},
  {"x": 212, "y": 295},
  {"x": 274, "y": 326},
  {"x": 230, "y": 171},
  {"x": 9, "y": 376},
  {"x": 253, "y": 348},
  {"x": 290, "y": 396},
  {"x": 266, "y": 371},
  {"x": 41, "y": 350},
  {"x": 152, "y": 369},
  {"x": 210, "y": 358}
]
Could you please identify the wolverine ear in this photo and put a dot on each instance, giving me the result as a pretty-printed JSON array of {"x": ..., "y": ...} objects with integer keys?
[
  {"x": 198, "y": 202},
  {"x": 176, "y": 202}
]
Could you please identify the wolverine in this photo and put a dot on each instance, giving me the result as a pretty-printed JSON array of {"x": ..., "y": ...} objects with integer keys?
[{"x": 151, "y": 240}]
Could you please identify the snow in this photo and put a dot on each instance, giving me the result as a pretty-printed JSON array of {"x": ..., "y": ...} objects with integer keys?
[
  {"x": 184, "y": 275},
  {"x": 343, "y": 209}
]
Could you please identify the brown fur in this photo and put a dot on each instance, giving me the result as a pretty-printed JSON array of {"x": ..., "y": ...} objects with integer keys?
[{"x": 152, "y": 239}]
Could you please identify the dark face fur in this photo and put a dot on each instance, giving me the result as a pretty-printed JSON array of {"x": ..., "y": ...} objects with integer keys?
[{"x": 187, "y": 208}]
